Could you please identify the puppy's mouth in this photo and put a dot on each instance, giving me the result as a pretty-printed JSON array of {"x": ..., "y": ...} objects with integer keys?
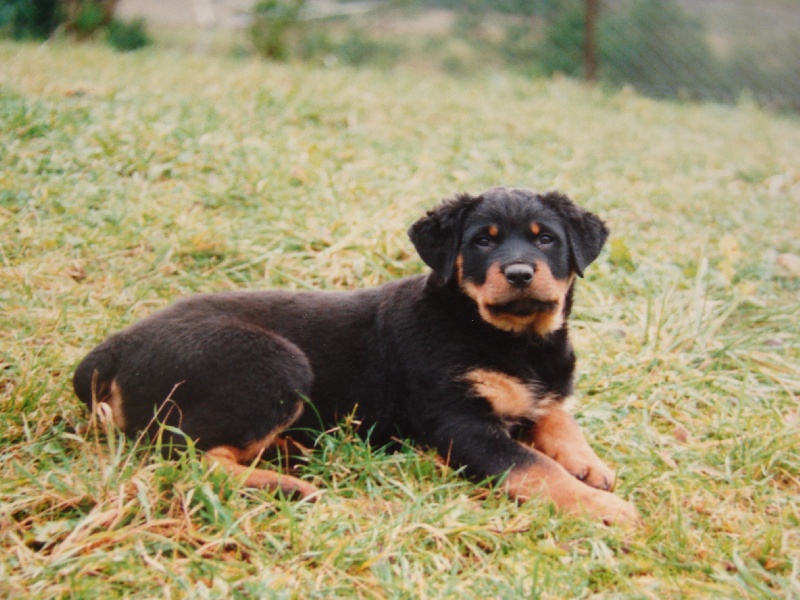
[{"x": 522, "y": 307}]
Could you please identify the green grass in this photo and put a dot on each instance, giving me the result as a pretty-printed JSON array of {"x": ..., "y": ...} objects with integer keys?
[{"x": 127, "y": 181}]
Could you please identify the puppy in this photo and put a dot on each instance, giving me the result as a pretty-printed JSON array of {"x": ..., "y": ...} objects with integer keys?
[{"x": 473, "y": 359}]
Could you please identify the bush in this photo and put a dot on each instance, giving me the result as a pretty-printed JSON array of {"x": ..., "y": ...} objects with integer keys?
[
  {"x": 39, "y": 19},
  {"x": 84, "y": 18},
  {"x": 127, "y": 36},
  {"x": 273, "y": 20},
  {"x": 30, "y": 19},
  {"x": 88, "y": 20}
]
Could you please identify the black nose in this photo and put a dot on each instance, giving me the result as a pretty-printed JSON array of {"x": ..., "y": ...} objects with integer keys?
[{"x": 519, "y": 275}]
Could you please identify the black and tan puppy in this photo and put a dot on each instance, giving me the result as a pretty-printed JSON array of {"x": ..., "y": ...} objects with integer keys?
[{"x": 473, "y": 359}]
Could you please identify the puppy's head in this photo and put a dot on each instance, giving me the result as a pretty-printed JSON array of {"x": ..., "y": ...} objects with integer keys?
[{"x": 515, "y": 253}]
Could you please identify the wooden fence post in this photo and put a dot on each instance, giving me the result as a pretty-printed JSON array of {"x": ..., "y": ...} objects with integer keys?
[{"x": 590, "y": 40}]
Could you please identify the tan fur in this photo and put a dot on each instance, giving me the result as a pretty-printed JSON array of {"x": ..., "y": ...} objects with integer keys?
[
  {"x": 510, "y": 398},
  {"x": 546, "y": 478},
  {"x": 114, "y": 400},
  {"x": 231, "y": 459},
  {"x": 460, "y": 269},
  {"x": 236, "y": 461}
]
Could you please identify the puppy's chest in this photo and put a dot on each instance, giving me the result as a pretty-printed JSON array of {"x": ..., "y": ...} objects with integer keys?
[{"x": 513, "y": 399}]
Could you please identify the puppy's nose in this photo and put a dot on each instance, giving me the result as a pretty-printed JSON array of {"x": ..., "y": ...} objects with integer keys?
[{"x": 519, "y": 275}]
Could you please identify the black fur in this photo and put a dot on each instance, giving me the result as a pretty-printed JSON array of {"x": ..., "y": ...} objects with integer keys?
[
  {"x": 587, "y": 233},
  {"x": 236, "y": 365}
]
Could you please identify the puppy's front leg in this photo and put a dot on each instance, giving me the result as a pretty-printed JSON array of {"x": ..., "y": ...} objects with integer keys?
[
  {"x": 486, "y": 450},
  {"x": 557, "y": 435}
]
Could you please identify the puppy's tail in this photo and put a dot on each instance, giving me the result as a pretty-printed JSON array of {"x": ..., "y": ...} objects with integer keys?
[{"x": 94, "y": 374}]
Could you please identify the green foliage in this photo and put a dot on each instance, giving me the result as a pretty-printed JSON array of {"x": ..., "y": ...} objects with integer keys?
[
  {"x": 88, "y": 19},
  {"x": 127, "y": 36},
  {"x": 273, "y": 22},
  {"x": 562, "y": 48},
  {"x": 39, "y": 19},
  {"x": 22, "y": 19}
]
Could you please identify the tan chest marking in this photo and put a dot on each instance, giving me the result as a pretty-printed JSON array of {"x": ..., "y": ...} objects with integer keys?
[{"x": 510, "y": 397}]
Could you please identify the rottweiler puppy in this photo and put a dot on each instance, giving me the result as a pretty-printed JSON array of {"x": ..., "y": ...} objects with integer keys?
[{"x": 473, "y": 359}]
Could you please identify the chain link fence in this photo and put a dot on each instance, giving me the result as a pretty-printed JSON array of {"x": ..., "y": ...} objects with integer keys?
[
  {"x": 703, "y": 49},
  {"x": 720, "y": 50}
]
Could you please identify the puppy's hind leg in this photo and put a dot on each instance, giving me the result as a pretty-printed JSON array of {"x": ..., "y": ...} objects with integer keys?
[
  {"x": 256, "y": 392},
  {"x": 240, "y": 462},
  {"x": 235, "y": 461}
]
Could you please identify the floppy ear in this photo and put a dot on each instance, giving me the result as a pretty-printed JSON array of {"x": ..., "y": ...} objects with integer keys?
[
  {"x": 587, "y": 233},
  {"x": 437, "y": 235}
]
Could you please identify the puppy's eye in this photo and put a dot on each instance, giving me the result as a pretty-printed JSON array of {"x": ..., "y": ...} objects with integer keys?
[
  {"x": 484, "y": 241},
  {"x": 545, "y": 240}
]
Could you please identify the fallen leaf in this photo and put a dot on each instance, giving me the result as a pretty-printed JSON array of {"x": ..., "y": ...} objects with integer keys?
[
  {"x": 76, "y": 272},
  {"x": 682, "y": 434}
]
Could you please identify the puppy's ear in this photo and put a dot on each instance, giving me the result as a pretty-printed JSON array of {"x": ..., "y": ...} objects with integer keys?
[
  {"x": 437, "y": 235},
  {"x": 587, "y": 233}
]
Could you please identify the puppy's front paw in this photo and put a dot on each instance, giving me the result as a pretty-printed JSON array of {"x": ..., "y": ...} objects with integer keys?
[
  {"x": 557, "y": 435},
  {"x": 613, "y": 510},
  {"x": 584, "y": 464}
]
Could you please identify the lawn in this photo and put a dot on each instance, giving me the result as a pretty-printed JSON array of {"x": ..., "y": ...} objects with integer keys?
[{"x": 127, "y": 181}]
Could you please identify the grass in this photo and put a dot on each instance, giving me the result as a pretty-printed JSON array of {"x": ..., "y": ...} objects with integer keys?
[{"x": 127, "y": 181}]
